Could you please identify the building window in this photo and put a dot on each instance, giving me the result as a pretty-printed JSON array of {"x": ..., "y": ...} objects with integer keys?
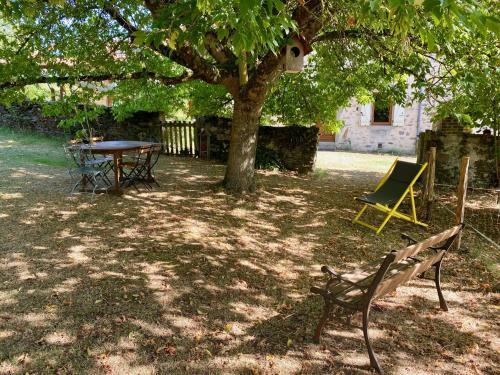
[{"x": 382, "y": 112}]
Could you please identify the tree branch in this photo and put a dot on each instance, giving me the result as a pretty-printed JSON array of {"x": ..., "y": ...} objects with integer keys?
[
  {"x": 99, "y": 78},
  {"x": 116, "y": 15},
  {"x": 221, "y": 54},
  {"x": 183, "y": 55}
]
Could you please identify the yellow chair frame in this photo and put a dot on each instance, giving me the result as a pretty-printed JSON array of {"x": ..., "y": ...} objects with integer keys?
[{"x": 393, "y": 211}]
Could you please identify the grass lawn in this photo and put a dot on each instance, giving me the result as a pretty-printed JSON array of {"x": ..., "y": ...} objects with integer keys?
[{"x": 189, "y": 280}]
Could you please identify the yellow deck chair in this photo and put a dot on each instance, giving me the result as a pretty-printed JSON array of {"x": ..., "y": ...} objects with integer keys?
[{"x": 391, "y": 191}]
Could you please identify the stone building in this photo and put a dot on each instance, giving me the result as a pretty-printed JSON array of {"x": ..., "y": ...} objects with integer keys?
[{"x": 379, "y": 126}]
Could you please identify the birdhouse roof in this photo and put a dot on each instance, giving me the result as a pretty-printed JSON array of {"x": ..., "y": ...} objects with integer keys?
[{"x": 303, "y": 42}]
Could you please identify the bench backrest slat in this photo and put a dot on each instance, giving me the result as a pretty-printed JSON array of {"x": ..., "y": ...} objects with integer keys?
[
  {"x": 393, "y": 273},
  {"x": 392, "y": 282},
  {"x": 413, "y": 250}
]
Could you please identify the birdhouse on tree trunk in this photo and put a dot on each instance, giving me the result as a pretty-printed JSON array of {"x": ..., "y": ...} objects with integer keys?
[{"x": 295, "y": 53}]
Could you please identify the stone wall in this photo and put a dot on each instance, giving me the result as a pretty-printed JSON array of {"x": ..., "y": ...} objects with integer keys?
[
  {"x": 29, "y": 116},
  {"x": 452, "y": 143},
  {"x": 295, "y": 146}
]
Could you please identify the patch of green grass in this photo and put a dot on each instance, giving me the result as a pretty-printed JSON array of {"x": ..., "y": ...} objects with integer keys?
[{"x": 19, "y": 148}]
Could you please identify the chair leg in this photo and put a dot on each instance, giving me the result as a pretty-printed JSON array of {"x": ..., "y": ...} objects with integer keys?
[
  {"x": 324, "y": 318},
  {"x": 373, "y": 359},
  {"x": 360, "y": 213},
  {"x": 389, "y": 215},
  {"x": 437, "y": 280}
]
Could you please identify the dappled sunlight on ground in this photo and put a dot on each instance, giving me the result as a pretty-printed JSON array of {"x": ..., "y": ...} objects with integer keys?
[{"x": 188, "y": 279}]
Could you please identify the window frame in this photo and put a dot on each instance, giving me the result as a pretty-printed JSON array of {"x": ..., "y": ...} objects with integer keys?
[{"x": 382, "y": 123}]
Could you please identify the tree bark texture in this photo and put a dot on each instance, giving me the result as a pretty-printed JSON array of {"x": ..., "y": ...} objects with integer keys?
[{"x": 240, "y": 171}]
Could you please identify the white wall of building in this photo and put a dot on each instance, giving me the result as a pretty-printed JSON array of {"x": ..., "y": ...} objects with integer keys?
[{"x": 359, "y": 134}]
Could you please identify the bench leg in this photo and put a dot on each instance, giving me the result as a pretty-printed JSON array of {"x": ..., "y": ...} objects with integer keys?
[
  {"x": 324, "y": 318},
  {"x": 437, "y": 280},
  {"x": 373, "y": 360}
]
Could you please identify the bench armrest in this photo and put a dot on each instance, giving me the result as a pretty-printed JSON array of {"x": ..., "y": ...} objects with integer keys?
[
  {"x": 411, "y": 240},
  {"x": 333, "y": 274}
]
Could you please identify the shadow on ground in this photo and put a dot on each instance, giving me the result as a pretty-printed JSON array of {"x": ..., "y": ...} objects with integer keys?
[{"x": 187, "y": 279}]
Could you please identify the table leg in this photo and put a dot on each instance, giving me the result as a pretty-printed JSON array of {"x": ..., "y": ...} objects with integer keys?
[
  {"x": 83, "y": 181},
  {"x": 116, "y": 163}
]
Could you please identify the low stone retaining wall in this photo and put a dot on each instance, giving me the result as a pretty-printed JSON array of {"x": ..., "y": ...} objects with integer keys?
[
  {"x": 294, "y": 146},
  {"x": 29, "y": 116}
]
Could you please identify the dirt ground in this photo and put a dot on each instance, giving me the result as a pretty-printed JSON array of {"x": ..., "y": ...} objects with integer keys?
[{"x": 189, "y": 280}]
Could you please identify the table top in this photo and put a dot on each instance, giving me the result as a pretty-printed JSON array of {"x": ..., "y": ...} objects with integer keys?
[{"x": 116, "y": 145}]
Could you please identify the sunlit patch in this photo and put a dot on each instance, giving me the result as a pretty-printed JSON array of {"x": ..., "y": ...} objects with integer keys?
[
  {"x": 7, "y": 196},
  {"x": 253, "y": 266},
  {"x": 65, "y": 215},
  {"x": 39, "y": 319},
  {"x": 107, "y": 274},
  {"x": 124, "y": 364},
  {"x": 8, "y": 297},
  {"x": 153, "y": 329},
  {"x": 356, "y": 359},
  {"x": 7, "y": 367},
  {"x": 3, "y": 216},
  {"x": 252, "y": 312},
  {"x": 39, "y": 247},
  {"x": 65, "y": 233},
  {"x": 6, "y": 334},
  {"x": 186, "y": 325},
  {"x": 76, "y": 253},
  {"x": 59, "y": 338},
  {"x": 67, "y": 285}
]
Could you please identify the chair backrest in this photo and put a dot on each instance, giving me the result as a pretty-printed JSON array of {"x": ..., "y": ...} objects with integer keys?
[
  {"x": 74, "y": 154},
  {"x": 400, "y": 178},
  {"x": 156, "y": 150},
  {"x": 401, "y": 266},
  {"x": 405, "y": 171}
]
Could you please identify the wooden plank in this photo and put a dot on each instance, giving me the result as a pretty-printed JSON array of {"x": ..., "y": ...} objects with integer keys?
[
  {"x": 431, "y": 241},
  {"x": 190, "y": 132},
  {"x": 176, "y": 140},
  {"x": 163, "y": 137},
  {"x": 196, "y": 135},
  {"x": 428, "y": 191},
  {"x": 391, "y": 283},
  {"x": 461, "y": 195},
  {"x": 167, "y": 139},
  {"x": 184, "y": 128}
]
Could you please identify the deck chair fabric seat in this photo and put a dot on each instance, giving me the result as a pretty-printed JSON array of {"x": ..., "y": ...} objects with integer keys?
[
  {"x": 391, "y": 191},
  {"x": 395, "y": 185}
]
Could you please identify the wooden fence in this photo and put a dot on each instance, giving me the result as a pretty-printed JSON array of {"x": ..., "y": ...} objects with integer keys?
[{"x": 180, "y": 138}]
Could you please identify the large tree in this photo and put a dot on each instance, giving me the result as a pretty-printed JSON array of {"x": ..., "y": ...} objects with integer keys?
[{"x": 238, "y": 45}]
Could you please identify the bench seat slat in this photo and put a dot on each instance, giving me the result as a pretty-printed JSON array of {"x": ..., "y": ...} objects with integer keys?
[{"x": 348, "y": 293}]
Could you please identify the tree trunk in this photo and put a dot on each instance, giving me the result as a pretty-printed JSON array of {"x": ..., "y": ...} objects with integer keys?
[{"x": 240, "y": 171}]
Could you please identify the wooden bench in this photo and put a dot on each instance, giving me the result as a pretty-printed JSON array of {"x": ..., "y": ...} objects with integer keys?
[{"x": 355, "y": 291}]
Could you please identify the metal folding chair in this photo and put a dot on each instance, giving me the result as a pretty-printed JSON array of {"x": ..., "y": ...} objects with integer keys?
[{"x": 83, "y": 170}]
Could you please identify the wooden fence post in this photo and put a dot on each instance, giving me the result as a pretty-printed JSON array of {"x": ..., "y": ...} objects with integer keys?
[
  {"x": 428, "y": 193},
  {"x": 461, "y": 195}
]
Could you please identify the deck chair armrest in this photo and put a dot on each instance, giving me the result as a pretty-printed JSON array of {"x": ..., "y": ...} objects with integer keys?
[
  {"x": 335, "y": 275},
  {"x": 411, "y": 240}
]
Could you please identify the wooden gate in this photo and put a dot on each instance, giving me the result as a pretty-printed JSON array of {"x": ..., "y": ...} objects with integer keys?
[{"x": 180, "y": 138}]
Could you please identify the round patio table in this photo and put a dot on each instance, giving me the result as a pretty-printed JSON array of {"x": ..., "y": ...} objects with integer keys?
[{"x": 116, "y": 148}]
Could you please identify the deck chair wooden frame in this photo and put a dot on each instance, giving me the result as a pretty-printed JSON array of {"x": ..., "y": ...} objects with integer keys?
[{"x": 393, "y": 211}]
